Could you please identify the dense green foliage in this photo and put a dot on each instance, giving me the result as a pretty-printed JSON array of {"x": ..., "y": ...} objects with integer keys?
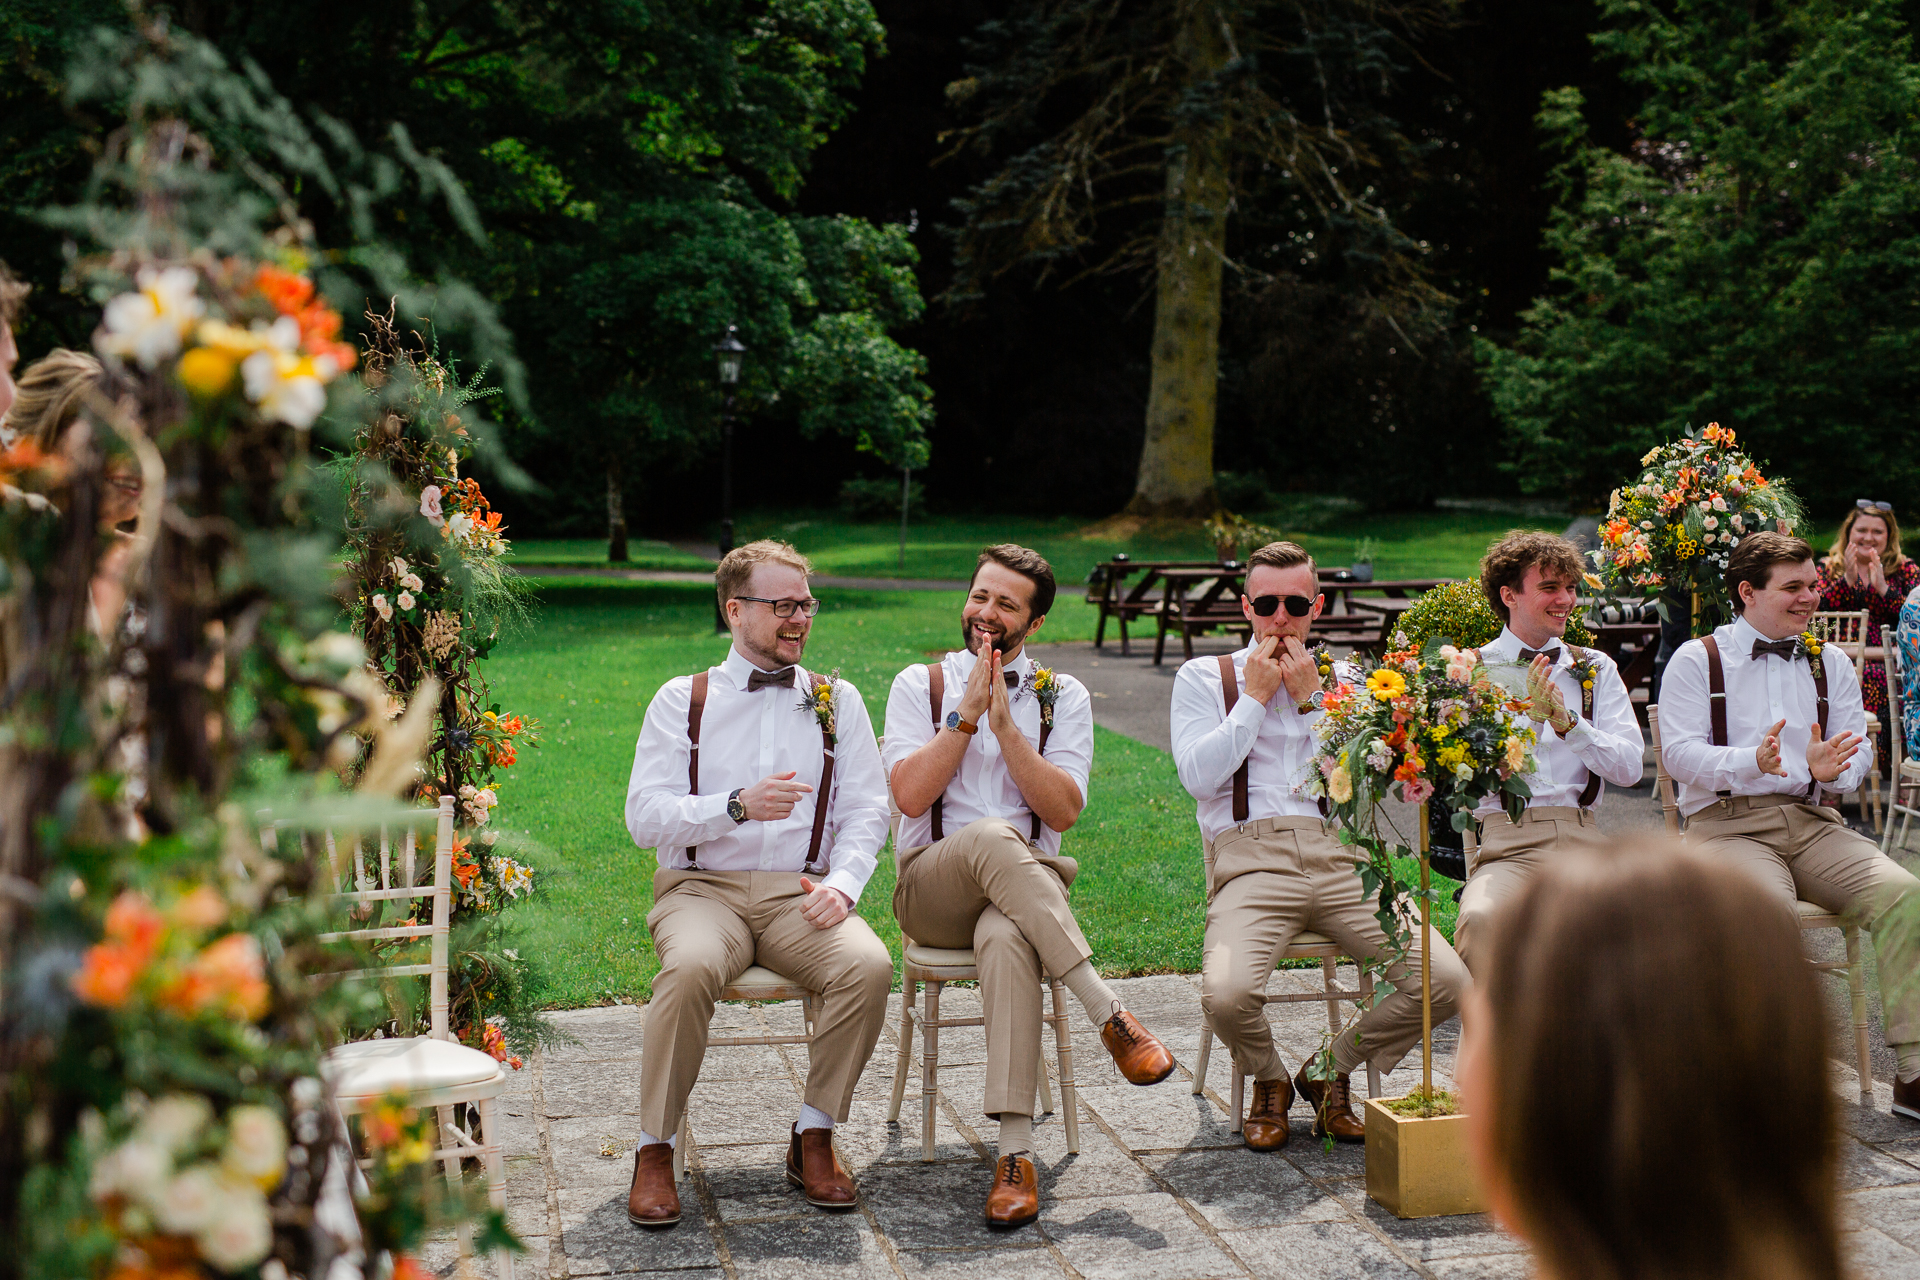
[{"x": 1749, "y": 258}]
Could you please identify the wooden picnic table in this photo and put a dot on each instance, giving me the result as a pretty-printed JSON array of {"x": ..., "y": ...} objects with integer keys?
[
  {"x": 1343, "y": 591},
  {"x": 1107, "y": 590},
  {"x": 1199, "y": 600}
]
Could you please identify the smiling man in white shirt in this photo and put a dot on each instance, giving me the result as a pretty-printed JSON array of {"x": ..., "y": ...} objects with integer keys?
[
  {"x": 1587, "y": 730},
  {"x": 1243, "y": 743},
  {"x": 979, "y": 848},
  {"x": 1755, "y": 726},
  {"x": 766, "y": 823}
]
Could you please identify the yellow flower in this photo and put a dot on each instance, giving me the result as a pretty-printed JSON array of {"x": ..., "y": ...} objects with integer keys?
[
  {"x": 1451, "y": 755},
  {"x": 1386, "y": 685},
  {"x": 1340, "y": 784},
  {"x": 207, "y": 371}
]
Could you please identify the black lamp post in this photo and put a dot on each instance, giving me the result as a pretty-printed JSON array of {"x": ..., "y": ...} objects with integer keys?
[{"x": 729, "y": 353}]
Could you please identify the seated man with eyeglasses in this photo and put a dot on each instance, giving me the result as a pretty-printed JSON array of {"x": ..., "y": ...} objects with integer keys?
[
  {"x": 759, "y": 786},
  {"x": 1243, "y": 742}
]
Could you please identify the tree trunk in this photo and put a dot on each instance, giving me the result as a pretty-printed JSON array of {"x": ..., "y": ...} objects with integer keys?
[
  {"x": 616, "y": 515},
  {"x": 1176, "y": 461}
]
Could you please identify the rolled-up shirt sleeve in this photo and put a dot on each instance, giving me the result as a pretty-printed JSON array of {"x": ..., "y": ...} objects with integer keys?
[
  {"x": 661, "y": 814},
  {"x": 860, "y": 810},
  {"x": 1207, "y": 749},
  {"x": 1686, "y": 727}
]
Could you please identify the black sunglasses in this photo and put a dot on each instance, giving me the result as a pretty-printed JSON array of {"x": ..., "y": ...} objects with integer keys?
[
  {"x": 1267, "y": 606},
  {"x": 1867, "y": 505}
]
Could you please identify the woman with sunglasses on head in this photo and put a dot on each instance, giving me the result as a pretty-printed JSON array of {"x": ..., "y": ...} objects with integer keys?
[{"x": 1866, "y": 570}]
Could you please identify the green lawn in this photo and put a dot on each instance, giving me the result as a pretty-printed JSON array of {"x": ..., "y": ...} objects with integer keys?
[
  {"x": 594, "y": 657},
  {"x": 1446, "y": 543}
]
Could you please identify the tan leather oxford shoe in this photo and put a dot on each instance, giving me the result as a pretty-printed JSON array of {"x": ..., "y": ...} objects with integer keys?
[
  {"x": 1015, "y": 1198},
  {"x": 1141, "y": 1058},
  {"x": 1332, "y": 1102},
  {"x": 653, "y": 1201},
  {"x": 1265, "y": 1128}
]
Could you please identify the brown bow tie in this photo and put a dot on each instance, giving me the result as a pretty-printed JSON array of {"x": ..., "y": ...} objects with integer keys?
[
  {"x": 1013, "y": 681},
  {"x": 759, "y": 680},
  {"x": 1528, "y": 655},
  {"x": 1780, "y": 648}
]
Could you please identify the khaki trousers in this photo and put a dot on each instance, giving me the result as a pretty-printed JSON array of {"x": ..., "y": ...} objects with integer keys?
[
  {"x": 708, "y": 926},
  {"x": 1510, "y": 855},
  {"x": 1804, "y": 851},
  {"x": 1299, "y": 877},
  {"x": 986, "y": 888}
]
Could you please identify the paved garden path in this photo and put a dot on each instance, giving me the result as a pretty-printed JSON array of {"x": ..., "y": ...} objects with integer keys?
[{"x": 1159, "y": 1189}]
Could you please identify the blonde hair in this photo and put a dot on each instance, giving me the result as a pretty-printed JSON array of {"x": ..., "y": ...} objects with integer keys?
[
  {"x": 48, "y": 396},
  {"x": 736, "y": 570},
  {"x": 1280, "y": 555},
  {"x": 1890, "y": 557}
]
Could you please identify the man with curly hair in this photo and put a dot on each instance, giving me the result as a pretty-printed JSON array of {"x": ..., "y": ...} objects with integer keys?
[{"x": 1587, "y": 733}]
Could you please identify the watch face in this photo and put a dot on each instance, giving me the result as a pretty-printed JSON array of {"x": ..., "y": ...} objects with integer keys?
[{"x": 953, "y": 719}]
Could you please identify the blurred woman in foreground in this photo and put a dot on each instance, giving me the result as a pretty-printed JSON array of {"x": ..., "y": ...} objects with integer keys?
[{"x": 1645, "y": 1074}]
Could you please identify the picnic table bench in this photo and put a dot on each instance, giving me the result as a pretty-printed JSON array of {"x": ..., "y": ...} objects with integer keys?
[
  {"x": 1107, "y": 590},
  {"x": 1199, "y": 600}
]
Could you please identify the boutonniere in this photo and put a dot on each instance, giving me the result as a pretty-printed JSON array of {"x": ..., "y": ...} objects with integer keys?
[
  {"x": 1045, "y": 689},
  {"x": 1323, "y": 665},
  {"x": 1808, "y": 645},
  {"x": 1583, "y": 669},
  {"x": 819, "y": 701}
]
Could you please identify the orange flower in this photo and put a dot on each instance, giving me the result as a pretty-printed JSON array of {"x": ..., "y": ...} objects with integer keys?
[
  {"x": 1717, "y": 434},
  {"x": 200, "y": 908},
  {"x": 228, "y": 976},
  {"x": 287, "y": 291},
  {"x": 405, "y": 1268},
  {"x": 466, "y": 872},
  {"x": 1409, "y": 769},
  {"x": 133, "y": 921},
  {"x": 107, "y": 974},
  {"x": 385, "y": 1125}
]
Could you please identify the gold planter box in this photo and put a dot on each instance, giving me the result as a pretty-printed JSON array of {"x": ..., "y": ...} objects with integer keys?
[{"x": 1419, "y": 1168}]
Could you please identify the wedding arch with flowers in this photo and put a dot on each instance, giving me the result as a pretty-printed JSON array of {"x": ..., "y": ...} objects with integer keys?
[
  {"x": 1668, "y": 534},
  {"x": 433, "y": 597},
  {"x": 1434, "y": 728},
  {"x": 165, "y": 970}
]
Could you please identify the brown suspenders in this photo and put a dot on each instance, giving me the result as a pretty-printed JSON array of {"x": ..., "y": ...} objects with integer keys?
[
  {"x": 936, "y": 698},
  {"x": 823, "y": 794},
  {"x": 1230, "y": 692},
  {"x": 1717, "y": 706}
]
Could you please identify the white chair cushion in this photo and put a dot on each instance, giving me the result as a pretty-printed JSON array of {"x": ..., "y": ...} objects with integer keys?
[
  {"x": 758, "y": 977},
  {"x": 417, "y": 1064},
  {"x": 1808, "y": 911},
  {"x": 939, "y": 957},
  {"x": 1308, "y": 938}
]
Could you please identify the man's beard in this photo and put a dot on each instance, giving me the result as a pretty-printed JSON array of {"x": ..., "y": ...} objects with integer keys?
[
  {"x": 766, "y": 659},
  {"x": 998, "y": 640}
]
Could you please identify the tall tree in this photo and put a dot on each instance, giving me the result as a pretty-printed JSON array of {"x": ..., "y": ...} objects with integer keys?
[
  {"x": 1130, "y": 133},
  {"x": 1748, "y": 258}
]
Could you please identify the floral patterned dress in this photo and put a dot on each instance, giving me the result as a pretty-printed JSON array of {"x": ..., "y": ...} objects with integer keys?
[
  {"x": 1837, "y": 595},
  {"x": 1909, "y": 637}
]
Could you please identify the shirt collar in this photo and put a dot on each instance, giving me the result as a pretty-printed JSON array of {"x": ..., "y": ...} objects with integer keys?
[
  {"x": 1740, "y": 639},
  {"x": 1508, "y": 646},
  {"x": 738, "y": 668}
]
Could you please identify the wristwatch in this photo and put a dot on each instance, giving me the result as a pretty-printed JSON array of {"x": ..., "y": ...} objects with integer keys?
[
  {"x": 736, "y": 808},
  {"x": 1311, "y": 703},
  {"x": 955, "y": 722}
]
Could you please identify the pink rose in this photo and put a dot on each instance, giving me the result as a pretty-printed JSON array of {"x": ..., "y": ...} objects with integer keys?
[
  {"x": 430, "y": 504},
  {"x": 1416, "y": 792}
]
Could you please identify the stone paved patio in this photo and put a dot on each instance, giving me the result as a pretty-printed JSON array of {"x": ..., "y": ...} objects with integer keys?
[{"x": 1160, "y": 1187}]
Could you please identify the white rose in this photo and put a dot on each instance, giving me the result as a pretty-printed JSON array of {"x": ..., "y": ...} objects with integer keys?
[
  {"x": 256, "y": 1148},
  {"x": 404, "y": 600},
  {"x": 489, "y": 837},
  {"x": 176, "y": 1120},
  {"x": 411, "y": 581},
  {"x": 189, "y": 1201},
  {"x": 133, "y": 1167},
  {"x": 468, "y": 791},
  {"x": 487, "y": 797},
  {"x": 459, "y": 527},
  {"x": 381, "y": 607},
  {"x": 241, "y": 1234},
  {"x": 399, "y": 566}
]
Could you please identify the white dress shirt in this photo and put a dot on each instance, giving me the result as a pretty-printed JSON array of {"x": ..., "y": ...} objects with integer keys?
[
  {"x": 1609, "y": 744},
  {"x": 982, "y": 787},
  {"x": 745, "y": 737},
  {"x": 1760, "y": 693},
  {"x": 1274, "y": 739}
]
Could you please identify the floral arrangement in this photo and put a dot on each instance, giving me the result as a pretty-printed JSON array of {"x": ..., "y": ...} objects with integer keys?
[
  {"x": 1668, "y": 534},
  {"x": 817, "y": 700},
  {"x": 1458, "y": 612},
  {"x": 1046, "y": 690},
  {"x": 428, "y": 549}
]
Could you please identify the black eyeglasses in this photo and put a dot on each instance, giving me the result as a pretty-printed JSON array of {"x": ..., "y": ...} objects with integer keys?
[
  {"x": 1867, "y": 505},
  {"x": 1267, "y": 606},
  {"x": 786, "y": 608}
]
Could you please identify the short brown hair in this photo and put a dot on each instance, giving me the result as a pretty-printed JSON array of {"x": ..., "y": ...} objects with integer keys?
[
  {"x": 1507, "y": 561},
  {"x": 1615, "y": 984},
  {"x": 1029, "y": 564},
  {"x": 1753, "y": 559},
  {"x": 48, "y": 396},
  {"x": 1889, "y": 558},
  {"x": 736, "y": 570},
  {"x": 13, "y": 292},
  {"x": 1280, "y": 555}
]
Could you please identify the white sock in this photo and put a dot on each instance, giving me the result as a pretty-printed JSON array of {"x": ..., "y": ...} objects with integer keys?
[
  {"x": 812, "y": 1118},
  {"x": 1016, "y": 1134},
  {"x": 1907, "y": 1058},
  {"x": 1095, "y": 996},
  {"x": 648, "y": 1140}
]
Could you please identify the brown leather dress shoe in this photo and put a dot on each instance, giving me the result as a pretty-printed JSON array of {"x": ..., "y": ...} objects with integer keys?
[
  {"x": 653, "y": 1201},
  {"x": 1332, "y": 1107},
  {"x": 1141, "y": 1058},
  {"x": 1906, "y": 1098},
  {"x": 1015, "y": 1198},
  {"x": 1265, "y": 1128},
  {"x": 812, "y": 1167}
]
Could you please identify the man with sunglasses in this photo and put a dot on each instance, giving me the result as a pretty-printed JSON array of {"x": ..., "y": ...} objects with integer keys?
[
  {"x": 989, "y": 758},
  {"x": 1588, "y": 734},
  {"x": 1243, "y": 741},
  {"x": 767, "y": 809}
]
